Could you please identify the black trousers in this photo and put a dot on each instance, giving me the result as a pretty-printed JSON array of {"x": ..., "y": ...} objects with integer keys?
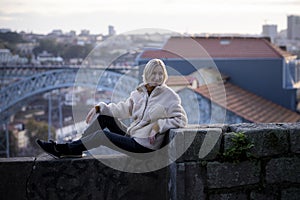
[{"x": 107, "y": 131}]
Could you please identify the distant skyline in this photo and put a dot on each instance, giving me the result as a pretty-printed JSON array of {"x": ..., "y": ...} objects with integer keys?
[{"x": 192, "y": 16}]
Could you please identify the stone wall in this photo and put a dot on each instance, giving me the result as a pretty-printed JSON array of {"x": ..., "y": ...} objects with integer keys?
[
  {"x": 69, "y": 179},
  {"x": 200, "y": 173},
  {"x": 272, "y": 173}
]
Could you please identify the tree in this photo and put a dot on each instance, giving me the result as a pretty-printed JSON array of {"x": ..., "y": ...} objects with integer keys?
[
  {"x": 11, "y": 37},
  {"x": 36, "y": 130},
  {"x": 9, "y": 40},
  {"x": 66, "y": 51},
  {"x": 46, "y": 45},
  {"x": 76, "y": 51}
]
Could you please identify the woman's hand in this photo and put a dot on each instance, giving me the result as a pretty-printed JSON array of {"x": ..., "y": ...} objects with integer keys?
[
  {"x": 90, "y": 115},
  {"x": 152, "y": 136}
]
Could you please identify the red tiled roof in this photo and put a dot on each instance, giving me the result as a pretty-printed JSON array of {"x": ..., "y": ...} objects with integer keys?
[
  {"x": 217, "y": 47},
  {"x": 179, "y": 80},
  {"x": 158, "y": 53},
  {"x": 247, "y": 105}
]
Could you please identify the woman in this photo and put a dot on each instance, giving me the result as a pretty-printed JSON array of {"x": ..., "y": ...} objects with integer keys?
[{"x": 154, "y": 107}]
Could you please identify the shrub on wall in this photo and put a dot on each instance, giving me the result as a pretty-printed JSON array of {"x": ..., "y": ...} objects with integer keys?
[{"x": 239, "y": 149}]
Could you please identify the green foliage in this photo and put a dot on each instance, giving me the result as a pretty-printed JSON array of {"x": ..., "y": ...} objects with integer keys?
[
  {"x": 47, "y": 45},
  {"x": 11, "y": 37},
  {"x": 9, "y": 40},
  {"x": 62, "y": 49},
  {"x": 37, "y": 129},
  {"x": 239, "y": 150},
  {"x": 76, "y": 51}
]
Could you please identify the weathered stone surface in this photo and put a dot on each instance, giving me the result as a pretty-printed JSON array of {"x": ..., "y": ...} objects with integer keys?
[
  {"x": 269, "y": 193},
  {"x": 85, "y": 178},
  {"x": 268, "y": 139},
  {"x": 283, "y": 169},
  {"x": 276, "y": 175},
  {"x": 211, "y": 144},
  {"x": 223, "y": 127},
  {"x": 187, "y": 181},
  {"x": 222, "y": 175},
  {"x": 228, "y": 196},
  {"x": 290, "y": 194},
  {"x": 295, "y": 141},
  {"x": 192, "y": 149},
  {"x": 177, "y": 143},
  {"x": 194, "y": 181},
  {"x": 177, "y": 181},
  {"x": 294, "y": 130},
  {"x": 196, "y": 144},
  {"x": 14, "y": 173},
  {"x": 245, "y": 127}
]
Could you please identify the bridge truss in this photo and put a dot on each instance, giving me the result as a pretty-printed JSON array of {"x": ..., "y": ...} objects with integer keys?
[{"x": 13, "y": 96}]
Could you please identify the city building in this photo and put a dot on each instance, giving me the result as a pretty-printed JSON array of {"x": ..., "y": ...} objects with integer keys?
[
  {"x": 56, "y": 32},
  {"x": 49, "y": 58},
  {"x": 111, "y": 30},
  {"x": 84, "y": 32},
  {"x": 252, "y": 64},
  {"x": 26, "y": 48},
  {"x": 5, "y": 30},
  {"x": 269, "y": 30},
  {"x": 293, "y": 27},
  {"x": 241, "y": 106},
  {"x": 6, "y": 57}
]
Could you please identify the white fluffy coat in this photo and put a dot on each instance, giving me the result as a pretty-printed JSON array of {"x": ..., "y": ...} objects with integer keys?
[{"x": 161, "y": 111}]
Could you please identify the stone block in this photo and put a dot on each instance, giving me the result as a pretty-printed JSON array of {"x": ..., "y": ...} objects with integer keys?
[
  {"x": 228, "y": 196},
  {"x": 14, "y": 173},
  {"x": 290, "y": 194},
  {"x": 194, "y": 181},
  {"x": 192, "y": 147},
  {"x": 195, "y": 144},
  {"x": 177, "y": 143},
  {"x": 177, "y": 181},
  {"x": 225, "y": 175},
  {"x": 283, "y": 170},
  {"x": 211, "y": 144},
  {"x": 187, "y": 181},
  {"x": 245, "y": 127},
  {"x": 268, "y": 139},
  {"x": 295, "y": 141},
  {"x": 294, "y": 130},
  {"x": 268, "y": 193},
  {"x": 85, "y": 178}
]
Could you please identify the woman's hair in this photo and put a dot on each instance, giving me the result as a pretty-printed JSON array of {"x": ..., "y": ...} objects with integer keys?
[{"x": 150, "y": 67}]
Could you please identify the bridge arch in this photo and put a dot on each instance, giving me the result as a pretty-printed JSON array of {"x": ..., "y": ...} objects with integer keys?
[{"x": 63, "y": 78}]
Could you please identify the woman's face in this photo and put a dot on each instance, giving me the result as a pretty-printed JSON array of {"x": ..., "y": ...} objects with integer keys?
[{"x": 157, "y": 76}]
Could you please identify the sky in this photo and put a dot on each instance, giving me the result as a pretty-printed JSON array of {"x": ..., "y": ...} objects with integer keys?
[{"x": 191, "y": 16}]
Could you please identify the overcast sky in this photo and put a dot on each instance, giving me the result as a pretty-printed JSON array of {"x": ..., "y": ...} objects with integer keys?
[{"x": 193, "y": 16}]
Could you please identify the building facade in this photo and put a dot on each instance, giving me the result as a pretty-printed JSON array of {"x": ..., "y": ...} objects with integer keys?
[
  {"x": 254, "y": 64},
  {"x": 270, "y": 30},
  {"x": 293, "y": 27}
]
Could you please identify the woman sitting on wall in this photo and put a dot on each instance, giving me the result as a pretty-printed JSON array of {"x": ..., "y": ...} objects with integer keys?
[{"x": 154, "y": 107}]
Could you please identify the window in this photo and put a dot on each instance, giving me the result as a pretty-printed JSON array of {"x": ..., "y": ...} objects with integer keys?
[{"x": 224, "y": 42}]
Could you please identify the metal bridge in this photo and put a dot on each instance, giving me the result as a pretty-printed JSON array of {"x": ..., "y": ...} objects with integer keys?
[{"x": 21, "y": 83}]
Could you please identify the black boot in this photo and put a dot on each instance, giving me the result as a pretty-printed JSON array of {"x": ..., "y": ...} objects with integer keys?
[
  {"x": 49, "y": 147},
  {"x": 59, "y": 150},
  {"x": 71, "y": 150}
]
